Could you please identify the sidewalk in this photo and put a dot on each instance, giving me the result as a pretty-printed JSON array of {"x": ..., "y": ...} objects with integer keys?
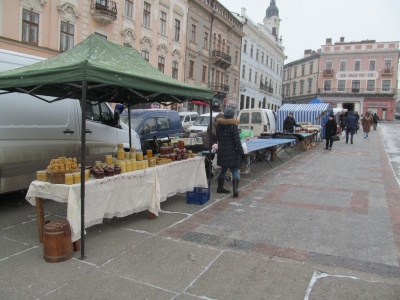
[{"x": 323, "y": 225}]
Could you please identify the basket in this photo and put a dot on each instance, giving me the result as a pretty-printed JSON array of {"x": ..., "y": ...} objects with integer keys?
[{"x": 198, "y": 196}]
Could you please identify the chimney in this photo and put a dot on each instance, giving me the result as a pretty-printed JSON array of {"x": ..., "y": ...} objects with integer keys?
[
  {"x": 328, "y": 41},
  {"x": 342, "y": 39}
]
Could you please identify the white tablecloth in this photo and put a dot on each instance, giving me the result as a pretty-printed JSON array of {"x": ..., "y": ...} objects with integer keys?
[{"x": 124, "y": 194}]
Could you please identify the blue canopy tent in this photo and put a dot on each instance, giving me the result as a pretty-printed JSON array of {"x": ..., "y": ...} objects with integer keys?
[
  {"x": 315, "y": 101},
  {"x": 316, "y": 114}
]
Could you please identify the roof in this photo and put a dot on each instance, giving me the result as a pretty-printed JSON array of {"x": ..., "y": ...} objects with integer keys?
[{"x": 113, "y": 72}]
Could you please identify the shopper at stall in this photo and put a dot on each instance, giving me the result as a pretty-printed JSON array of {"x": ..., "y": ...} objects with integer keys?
[
  {"x": 351, "y": 125},
  {"x": 330, "y": 131},
  {"x": 230, "y": 151},
  {"x": 376, "y": 120},
  {"x": 367, "y": 121},
  {"x": 209, "y": 140},
  {"x": 289, "y": 124}
]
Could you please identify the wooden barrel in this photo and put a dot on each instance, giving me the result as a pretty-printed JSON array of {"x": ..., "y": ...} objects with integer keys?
[{"x": 57, "y": 245}]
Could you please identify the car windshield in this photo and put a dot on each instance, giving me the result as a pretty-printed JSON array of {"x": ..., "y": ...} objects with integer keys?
[
  {"x": 202, "y": 121},
  {"x": 135, "y": 122}
]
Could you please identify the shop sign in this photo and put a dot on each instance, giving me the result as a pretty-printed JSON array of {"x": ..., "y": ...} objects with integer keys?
[
  {"x": 369, "y": 75},
  {"x": 377, "y": 104}
]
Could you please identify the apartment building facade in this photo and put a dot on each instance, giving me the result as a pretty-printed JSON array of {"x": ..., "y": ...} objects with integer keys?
[
  {"x": 213, "y": 53},
  {"x": 155, "y": 28},
  {"x": 359, "y": 76},
  {"x": 262, "y": 61}
]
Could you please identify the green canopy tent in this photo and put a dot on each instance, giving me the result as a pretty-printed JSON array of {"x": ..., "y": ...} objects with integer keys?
[{"x": 102, "y": 71}]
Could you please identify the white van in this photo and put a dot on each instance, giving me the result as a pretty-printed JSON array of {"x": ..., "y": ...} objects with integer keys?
[
  {"x": 258, "y": 120},
  {"x": 200, "y": 125},
  {"x": 32, "y": 132},
  {"x": 188, "y": 118}
]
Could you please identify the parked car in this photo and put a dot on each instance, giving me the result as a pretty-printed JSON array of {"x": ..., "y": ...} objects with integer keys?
[
  {"x": 188, "y": 118},
  {"x": 153, "y": 124},
  {"x": 33, "y": 132},
  {"x": 258, "y": 120},
  {"x": 200, "y": 125},
  {"x": 397, "y": 116}
]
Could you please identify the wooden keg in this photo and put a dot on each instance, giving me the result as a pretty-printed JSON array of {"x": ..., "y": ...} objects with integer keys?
[{"x": 57, "y": 245}]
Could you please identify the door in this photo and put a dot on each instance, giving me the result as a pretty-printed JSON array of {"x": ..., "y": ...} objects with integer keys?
[{"x": 384, "y": 114}]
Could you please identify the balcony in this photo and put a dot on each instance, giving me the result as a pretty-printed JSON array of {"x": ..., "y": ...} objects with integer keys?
[
  {"x": 387, "y": 72},
  {"x": 266, "y": 88},
  {"x": 221, "y": 88},
  {"x": 104, "y": 11},
  {"x": 221, "y": 59},
  {"x": 328, "y": 73}
]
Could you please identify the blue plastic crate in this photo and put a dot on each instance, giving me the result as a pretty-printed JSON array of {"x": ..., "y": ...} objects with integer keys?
[{"x": 198, "y": 196}]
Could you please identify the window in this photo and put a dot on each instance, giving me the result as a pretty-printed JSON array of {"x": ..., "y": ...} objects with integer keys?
[
  {"x": 250, "y": 71},
  {"x": 386, "y": 85},
  {"x": 370, "y": 85},
  {"x": 357, "y": 65},
  {"x": 266, "y": 61},
  {"x": 219, "y": 42},
  {"x": 204, "y": 74},
  {"x": 301, "y": 87},
  {"x": 191, "y": 69},
  {"x": 161, "y": 63},
  {"x": 327, "y": 85},
  {"x": 309, "y": 85},
  {"x": 262, "y": 57},
  {"x": 303, "y": 70},
  {"x": 311, "y": 67},
  {"x": 146, "y": 14},
  {"x": 128, "y": 9},
  {"x": 243, "y": 71},
  {"x": 236, "y": 57},
  {"x": 343, "y": 66},
  {"x": 295, "y": 71},
  {"x": 255, "y": 77},
  {"x": 329, "y": 65},
  {"x": 341, "y": 85},
  {"x": 205, "y": 42},
  {"x": 145, "y": 55},
  {"x": 235, "y": 85},
  {"x": 163, "y": 123},
  {"x": 177, "y": 30},
  {"x": 244, "y": 46},
  {"x": 355, "y": 86},
  {"x": 30, "y": 27},
  {"x": 251, "y": 51},
  {"x": 228, "y": 50},
  {"x": 257, "y": 52},
  {"x": 388, "y": 64},
  {"x": 193, "y": 37},
  {"x": 372, "y": 65},
  {"x": 294, "y": 88},
  {"x": 175, "y": 67},
  {"x": 66, "y": 36},
  {"x": 163, "y": 23},
  {"x": 256, "y": 118}
]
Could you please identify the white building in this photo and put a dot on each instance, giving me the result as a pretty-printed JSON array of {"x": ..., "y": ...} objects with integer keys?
[{"x": 262, "y": 60}]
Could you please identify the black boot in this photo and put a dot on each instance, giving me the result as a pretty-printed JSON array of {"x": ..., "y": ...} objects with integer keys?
[
  {"x": 221, "y": 189},
  {"x": 235, "y": 183}
]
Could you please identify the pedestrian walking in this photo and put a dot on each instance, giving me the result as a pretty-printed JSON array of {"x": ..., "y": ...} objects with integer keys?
[
  {"x": 351, "y": 125},
  {"x": 209, "y": 140},
  {"x": 289, "y": 124},
  {"x": 367, "y": 122},
  {"x": 358, "y": 120},
  {"x": 330, "y": 132},
  {"x": 342, "y": 121},
  {"x": 230, "y": 151},
  {"x": 376, "y": 120}
]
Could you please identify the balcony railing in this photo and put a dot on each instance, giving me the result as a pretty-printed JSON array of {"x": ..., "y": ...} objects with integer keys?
[
  {"x": 344, "y": 91},
  {"x": 221, "y": 88},
  {"x": 266, "y": 88},
  {"x": 221, "y": 59},
  {"x": 104, "y": 11},
  {"x": 328, "y": 72},
  {"x": 387, "y": 72}
]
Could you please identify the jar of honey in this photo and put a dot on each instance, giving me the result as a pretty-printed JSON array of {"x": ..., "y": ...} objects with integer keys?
[
  {"x": 76, "y": 177},
  {"x": 109, "y": 159},
  {"x": 120, "y": 154},
  {"x": 134, "y": 165},
  {"x": 149, "y": 153},
  {"x": 69, "y": 178},
  {"x": 139, "y": 156},
  {"x": 128, "y": 165},
  {"x": 181, "y": 145},
  {"x": 122, "y": 164}
]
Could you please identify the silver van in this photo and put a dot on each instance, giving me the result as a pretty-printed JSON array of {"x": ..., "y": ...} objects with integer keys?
[
  {"x": 188, "y": 118},
  {"x": 258, "y": 120},
  {"x": 32, "y": 132}
]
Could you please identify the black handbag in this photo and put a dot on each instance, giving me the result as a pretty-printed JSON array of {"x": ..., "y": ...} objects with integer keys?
[{"x": 335, "y": 138}]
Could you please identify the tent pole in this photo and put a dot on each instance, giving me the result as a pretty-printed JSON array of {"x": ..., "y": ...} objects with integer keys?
[
  {"x": 209, "y": 151},
  {"x": 83, "y": 152},
  {"x": 129, "y": 123}
]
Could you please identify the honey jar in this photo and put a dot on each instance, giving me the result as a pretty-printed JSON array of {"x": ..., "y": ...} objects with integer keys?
[
  {"x": 76, "y": 177},
  {"x": 128, "y": 165},
  {"x": 133, "y": 165},
  {"x": 149, "y": 153},
  {"x": 122, "y": 164},
  {"x": 109, "y": 159},
  {"x": 139, "y": 156},
  {"x": 120, "y": 154},
  {"x": 69, "y": 178}
]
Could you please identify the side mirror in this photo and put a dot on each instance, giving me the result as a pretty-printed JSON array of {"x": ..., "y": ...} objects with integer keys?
[{"x": 116, "y": 118}]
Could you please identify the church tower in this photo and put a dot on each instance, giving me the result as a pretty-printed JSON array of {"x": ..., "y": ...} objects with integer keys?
[{"x": 271, "y": 19}]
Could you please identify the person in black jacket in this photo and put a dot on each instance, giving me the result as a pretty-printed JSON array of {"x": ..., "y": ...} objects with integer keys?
[
  {"x": 330, "y": 131},
  {"x": 351, "y": 126},
  {"x": 209, "y": 140},
  {"x": 230, "y": 151},
  {"x": 289, "y": 124},
  {"x": 376, "y": 120}
]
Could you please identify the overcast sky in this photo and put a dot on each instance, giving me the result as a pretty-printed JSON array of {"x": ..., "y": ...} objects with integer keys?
[{"x": 305, "y": 24}]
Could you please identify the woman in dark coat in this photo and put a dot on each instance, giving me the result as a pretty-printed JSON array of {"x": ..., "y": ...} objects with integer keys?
[
  {"x": 330, "y": 131},
  {"x": 230, "y": 151}
]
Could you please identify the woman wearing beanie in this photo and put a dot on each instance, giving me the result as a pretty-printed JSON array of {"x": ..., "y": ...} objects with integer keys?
[
  {"x": 330, "y": 131},
  {"x": 230, "y": 150}
]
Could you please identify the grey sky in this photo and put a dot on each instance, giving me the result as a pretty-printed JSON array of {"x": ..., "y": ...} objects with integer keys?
[{"x": 306, "y": 24}]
